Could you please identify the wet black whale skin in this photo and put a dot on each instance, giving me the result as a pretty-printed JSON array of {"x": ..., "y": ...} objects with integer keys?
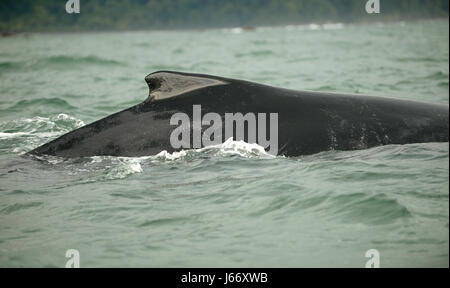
[{"x": 309, "y": 122}]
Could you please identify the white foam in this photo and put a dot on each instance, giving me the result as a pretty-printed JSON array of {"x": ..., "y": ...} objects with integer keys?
[
  {"x": 41, "y": 126},
  {"x": 64, "y": 117},
  {"x": 32, "y": 132},
  {"x": 333, "y": 26},
  {"x": 239, "y": 148},
  {"x": 116, "y": 167},
  {"x": 171, "y": 156},
  {"x": 120, "y": 167},
  {"x": 314, "y": 26},
  {"x": 12, "y": 135},
  {"x": 237, "y": 30},
  {"x": 129, "y": 166},
  {"x": 229, "y": 147}
]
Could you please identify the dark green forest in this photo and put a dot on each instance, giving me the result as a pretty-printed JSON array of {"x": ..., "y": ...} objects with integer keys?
[{"x": 50, "y": 15}]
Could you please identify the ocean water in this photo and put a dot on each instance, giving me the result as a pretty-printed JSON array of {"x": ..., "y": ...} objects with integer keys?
[{"x": 230, "y": 205}]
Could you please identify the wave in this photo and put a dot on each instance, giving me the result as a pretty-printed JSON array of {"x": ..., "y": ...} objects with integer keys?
[
  {"x": 20, "y": 136},
  {"x": 36, "y": 125},
  {"x": 57, "y": 103},
  {"x": 420, "y": 59},
  {"x": 229, "y": 148},
  {"x": 57, "y": 61},
  {"x": 256, "y": 53},
  {"x": 440, "y": 75},
  {"x": 9, "y": 66},
  {"x": 112, "y": 167},
  {"x": 374, "y": 209},
  {"x": 74, "y": 60}
]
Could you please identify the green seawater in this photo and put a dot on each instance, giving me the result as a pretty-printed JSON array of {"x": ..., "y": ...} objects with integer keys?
[{"x": 229, "y": 206}]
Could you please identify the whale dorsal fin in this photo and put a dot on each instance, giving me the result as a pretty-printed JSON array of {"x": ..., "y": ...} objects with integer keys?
[{"x": 165, "y": 84}]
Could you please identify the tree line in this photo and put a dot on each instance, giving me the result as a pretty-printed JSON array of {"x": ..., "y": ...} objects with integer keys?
[{"x": 51, "y": 15}]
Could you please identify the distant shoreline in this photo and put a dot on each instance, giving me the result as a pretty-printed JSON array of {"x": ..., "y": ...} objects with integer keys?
[
  {"x": 5, "y": 34},
  {"x": 144, "y": 15}
]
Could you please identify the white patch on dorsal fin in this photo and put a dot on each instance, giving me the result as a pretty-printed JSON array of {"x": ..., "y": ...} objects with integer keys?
[{"x": 164, "y": 85}]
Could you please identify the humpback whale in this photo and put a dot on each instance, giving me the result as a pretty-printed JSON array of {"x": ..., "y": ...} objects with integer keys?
[{"x": 307, "y": 122}]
